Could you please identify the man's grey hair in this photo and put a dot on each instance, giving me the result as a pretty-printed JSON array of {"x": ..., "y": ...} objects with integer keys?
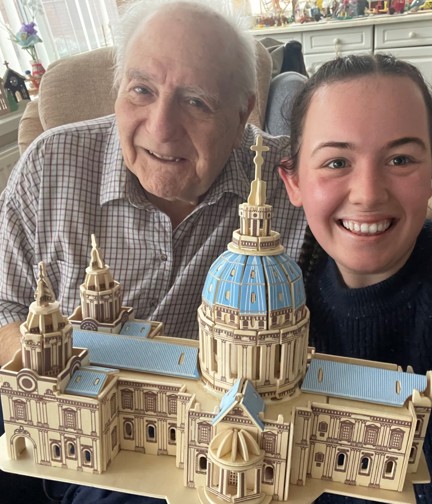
[{"x": 141, "y": 11}]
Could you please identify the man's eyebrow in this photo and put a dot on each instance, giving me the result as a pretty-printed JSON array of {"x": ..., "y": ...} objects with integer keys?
[
  {"x": 198, "y": 92},
  {"x": 334, "y": 144},
  {"x": 406, "y": 140},
  {"x": 134, "y": 73}
]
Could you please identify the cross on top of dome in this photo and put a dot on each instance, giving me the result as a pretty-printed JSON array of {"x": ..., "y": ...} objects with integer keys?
[{"x": 257, "y": 196}]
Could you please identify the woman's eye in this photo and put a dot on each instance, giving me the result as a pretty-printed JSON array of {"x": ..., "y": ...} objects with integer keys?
[
  {"x": 337, "y": 163},
  {"x": 399, "y": 160}
]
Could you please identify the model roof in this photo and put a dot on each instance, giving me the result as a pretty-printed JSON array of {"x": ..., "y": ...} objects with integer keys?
[
  {"x": 362, "y": 383},
  {"x": 138, "y": 354}
]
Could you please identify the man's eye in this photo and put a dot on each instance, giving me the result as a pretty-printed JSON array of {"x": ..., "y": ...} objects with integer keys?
[
  {"x": 197, "y": 103},
  {"x": 142, "y": 90},
  {"x": 337, "y": 163},
  {"x": 400, "y": 160}
]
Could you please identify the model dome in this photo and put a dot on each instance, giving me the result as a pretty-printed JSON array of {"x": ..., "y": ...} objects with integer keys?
[{"x": 253, "y": 318}]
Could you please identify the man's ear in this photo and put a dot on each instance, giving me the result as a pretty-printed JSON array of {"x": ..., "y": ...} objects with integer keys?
[
  {"x": 244, "y": 116},
  {"x": 292, "y": 186}
]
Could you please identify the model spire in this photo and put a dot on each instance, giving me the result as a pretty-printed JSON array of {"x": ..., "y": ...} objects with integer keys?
[
  {"x": 46, "y": 342},
  {"x": 96, "y": 260},
  {"x": 257, "y": 196},
  {"x": 255, "y": 236},
  {"x": 43, "y": 294}
]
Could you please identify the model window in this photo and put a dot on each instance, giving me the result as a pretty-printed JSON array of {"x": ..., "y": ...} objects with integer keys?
[
  {"x": 128, "y": 430},
  {"x": 319, "y": 457},
  {"x": 371, "y": 435},
  {"x": 71, "y": 449},
  {"x": 172, "y": 434},
  {"x": 20, "y": 410},
  {"x": 114, "y": 438},
  {"x": 396, "y": 439},
  {"x": 268, "y": 474},
  {"x": 268, "y": 443},
  {"x": 69, "y": 419},
  {"x": 204, "y": 433},
  {"x": 113, "y": 404},
  {"x": 346, "y": 430},
  {"x": 323, "y": 427},
  {"x": 365, "y": 465},
  {"x": 341, "y": 461},
  {"x": 151, "y": 433},
  {"x": 127, "y": 399},
  {"x": 56, "y": 451},
  {"x": 202, "y": 464},
  {"x": 150, "y": 401},
  {"x": 87, "y": 457},
  {"x": 389, "y": 469},
  {"x": 172, "y": 405}
]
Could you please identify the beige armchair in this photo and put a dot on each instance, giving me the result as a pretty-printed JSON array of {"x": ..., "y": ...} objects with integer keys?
[{"x": 80, "y": 87}]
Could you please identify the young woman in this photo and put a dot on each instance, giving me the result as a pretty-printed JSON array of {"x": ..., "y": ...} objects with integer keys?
[{"x": 361, "y": 166}]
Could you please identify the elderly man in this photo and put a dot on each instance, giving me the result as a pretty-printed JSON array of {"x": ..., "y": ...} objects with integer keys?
[{"x": 159, "y": 182}]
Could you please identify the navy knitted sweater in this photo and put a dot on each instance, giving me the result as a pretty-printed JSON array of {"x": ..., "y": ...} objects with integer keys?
[{"x": 390, "y": 321}]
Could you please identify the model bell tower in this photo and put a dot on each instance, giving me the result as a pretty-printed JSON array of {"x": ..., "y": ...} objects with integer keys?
[
  {"x": 46, "y": 341},
  {"x": 100, "y": 293},
  {"x": 101, "y": 298}
]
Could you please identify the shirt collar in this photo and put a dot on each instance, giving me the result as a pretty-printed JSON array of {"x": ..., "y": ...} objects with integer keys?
[{"x": 114, "y": 171}]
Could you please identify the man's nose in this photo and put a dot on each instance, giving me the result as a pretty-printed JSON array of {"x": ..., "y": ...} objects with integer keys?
[{"x": 163, "y": 121}]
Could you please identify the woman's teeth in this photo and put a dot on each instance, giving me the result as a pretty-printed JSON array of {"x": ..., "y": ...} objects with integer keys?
[{"x": 366, "y": 228}]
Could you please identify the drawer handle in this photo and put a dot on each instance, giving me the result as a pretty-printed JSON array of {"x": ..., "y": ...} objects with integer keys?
[
  {"x": 412, "y": 35},
  {"x": 337, "y": 41}
]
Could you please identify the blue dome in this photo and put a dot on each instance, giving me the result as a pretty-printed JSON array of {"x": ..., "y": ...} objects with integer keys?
[{"x": 254, "y": 284}]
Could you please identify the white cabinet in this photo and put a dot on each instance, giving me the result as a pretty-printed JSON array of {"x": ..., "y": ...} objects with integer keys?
[
  {"x": 410, "y": 41},
  {"x": 321, "y": 46},
  {"x": 407, "y": 36}
]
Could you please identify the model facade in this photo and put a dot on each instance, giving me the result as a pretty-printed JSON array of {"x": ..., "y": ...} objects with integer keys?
[{"x": 248, "y": 412}]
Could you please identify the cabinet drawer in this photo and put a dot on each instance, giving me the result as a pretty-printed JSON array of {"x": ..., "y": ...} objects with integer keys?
[
  {"x": 338, "y": 41},
  {"x": 403, "y": 35}
]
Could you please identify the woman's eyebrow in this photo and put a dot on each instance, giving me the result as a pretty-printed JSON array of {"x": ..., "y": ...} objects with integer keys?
[
  {"x": 406, "y": 140},
  {"x": 333, "y": 144}
]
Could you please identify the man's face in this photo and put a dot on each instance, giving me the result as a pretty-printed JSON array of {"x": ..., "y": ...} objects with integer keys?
[{"x": 177, "y": 113}]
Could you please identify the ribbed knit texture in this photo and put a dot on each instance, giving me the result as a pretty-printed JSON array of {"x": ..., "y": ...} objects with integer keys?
[{"x": 389, "y": 322}]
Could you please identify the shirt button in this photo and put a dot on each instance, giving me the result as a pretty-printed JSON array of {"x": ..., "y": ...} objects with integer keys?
[{"x": 164, "y": 257}]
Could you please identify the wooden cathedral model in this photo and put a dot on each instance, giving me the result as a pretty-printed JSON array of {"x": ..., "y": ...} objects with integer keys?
[{"x": 249, "y": 413}]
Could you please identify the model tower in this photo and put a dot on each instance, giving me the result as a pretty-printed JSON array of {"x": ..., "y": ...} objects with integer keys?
[
  {"x": 101, "y": 297},
  {"x": 253, "y": 319},
  {"x": 46, "y": 340}
]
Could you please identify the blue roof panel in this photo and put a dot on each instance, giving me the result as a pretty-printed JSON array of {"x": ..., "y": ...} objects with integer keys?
[
  {"x": 279, "y": 287},
  {"x": 138, "y": 329},
  {"x": 139, "y": 354},
  {"x": 361, "y": 383},
  {"x": 87, "y": 381}
]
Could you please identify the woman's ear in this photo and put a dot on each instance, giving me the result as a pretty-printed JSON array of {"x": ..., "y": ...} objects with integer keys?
[{"x": 292, "y": 186}]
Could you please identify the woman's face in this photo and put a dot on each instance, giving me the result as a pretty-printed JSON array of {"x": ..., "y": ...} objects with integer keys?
[{"x": 364, "y": 174}]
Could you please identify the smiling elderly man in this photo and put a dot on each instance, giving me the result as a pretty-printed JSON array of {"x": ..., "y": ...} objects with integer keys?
[{"x": 159, "y": 182}]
